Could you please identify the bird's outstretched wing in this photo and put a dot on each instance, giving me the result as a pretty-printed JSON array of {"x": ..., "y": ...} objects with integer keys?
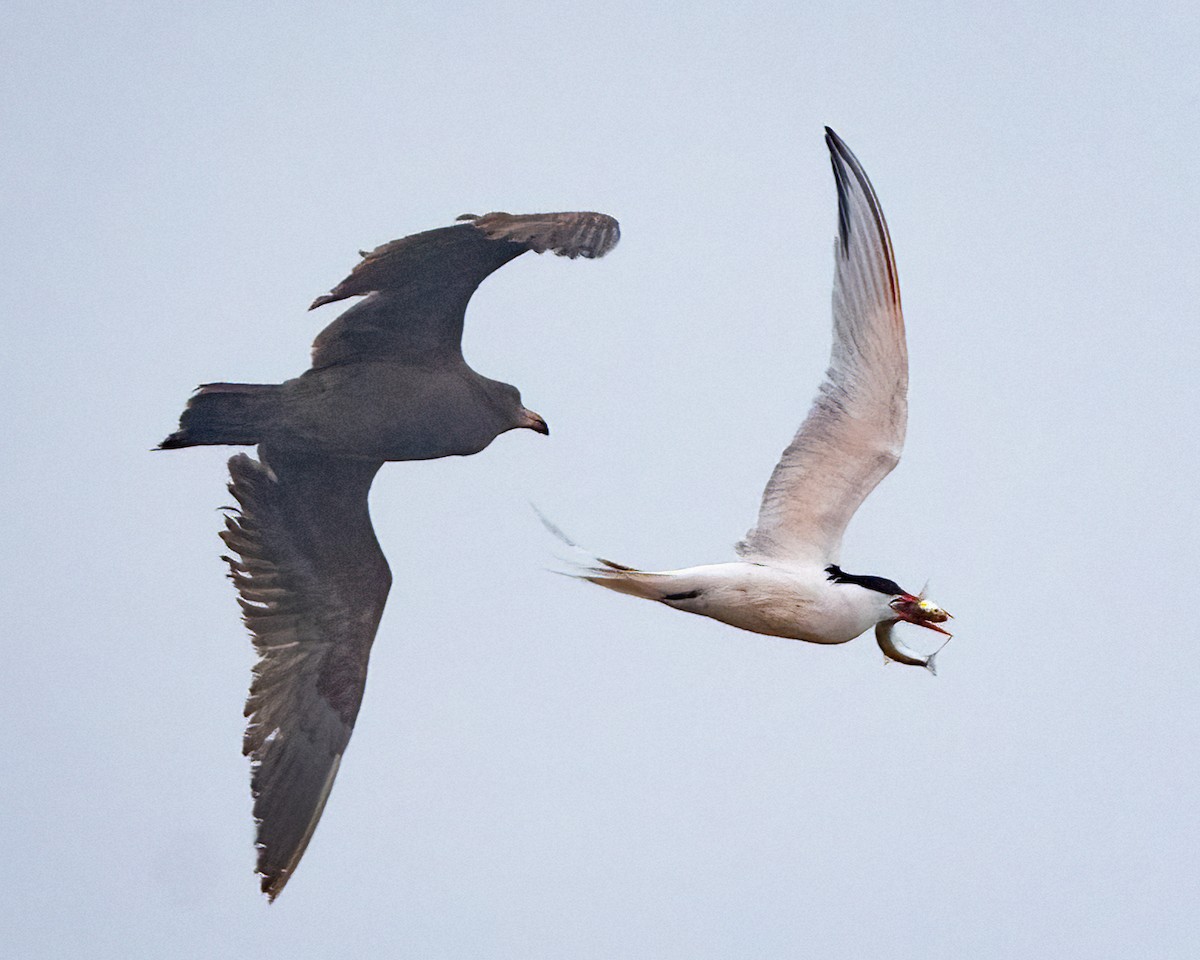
[
  {"x": 420, "y": 285},
  {"x": 312, "y": 583},
  {"x": 854, "y": 432}
]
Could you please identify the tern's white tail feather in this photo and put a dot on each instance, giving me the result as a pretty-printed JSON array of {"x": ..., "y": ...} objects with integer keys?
[{"x": 608, "y": 573}]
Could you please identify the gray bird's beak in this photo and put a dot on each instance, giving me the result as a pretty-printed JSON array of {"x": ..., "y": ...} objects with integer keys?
[{"x": 535, "y": 422}]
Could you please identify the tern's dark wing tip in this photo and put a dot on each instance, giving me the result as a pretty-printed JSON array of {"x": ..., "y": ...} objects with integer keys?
[{"x": 837, "y": 159}]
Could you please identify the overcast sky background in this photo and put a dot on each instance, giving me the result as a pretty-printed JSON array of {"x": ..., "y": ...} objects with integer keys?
[{"x": 541, "y": 769}]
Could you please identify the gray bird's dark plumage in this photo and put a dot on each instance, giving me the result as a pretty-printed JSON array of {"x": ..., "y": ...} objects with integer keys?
[{"x": 388, "y": 382}]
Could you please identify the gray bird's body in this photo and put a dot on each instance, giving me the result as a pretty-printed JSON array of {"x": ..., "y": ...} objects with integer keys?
[
  {"x": 787, "y": 582},
  {"x": 388, "y": 382},
  {"x": 380, "y": 411}
]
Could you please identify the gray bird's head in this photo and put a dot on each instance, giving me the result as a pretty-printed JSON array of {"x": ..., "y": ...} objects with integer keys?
[{"x": 507, "y": 399}]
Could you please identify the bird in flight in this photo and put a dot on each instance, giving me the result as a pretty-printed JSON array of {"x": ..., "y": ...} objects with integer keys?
[
  {"x": 388, "y": 382},
  {"x": 788, "y": 581}
]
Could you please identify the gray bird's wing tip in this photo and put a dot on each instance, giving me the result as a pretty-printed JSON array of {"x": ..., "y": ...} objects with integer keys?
[{"x": 585, "y": 233}]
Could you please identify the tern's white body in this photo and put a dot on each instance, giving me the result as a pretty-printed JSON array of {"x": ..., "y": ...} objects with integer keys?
[
  {"x": 788, "y": 582},
  {"x": 791, "y": 602}
]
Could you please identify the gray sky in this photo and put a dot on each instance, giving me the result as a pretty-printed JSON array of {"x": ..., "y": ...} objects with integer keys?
[{"x": 542, "y": 769}]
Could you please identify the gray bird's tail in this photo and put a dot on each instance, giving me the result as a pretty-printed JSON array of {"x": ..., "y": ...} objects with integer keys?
[{"x": 220, "y": 413}]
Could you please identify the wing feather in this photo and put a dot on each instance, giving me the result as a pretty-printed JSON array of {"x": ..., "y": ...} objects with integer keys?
[
  {"x": 419, "y": 286},
  {"x": 854, "y": 433},
  {"x": 312, "y": 584}
]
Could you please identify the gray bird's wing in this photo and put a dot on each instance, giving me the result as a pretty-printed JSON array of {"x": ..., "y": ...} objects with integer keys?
[
  {"x": 312, "y": 583},
  {"x": 854, "y": 432},
  {"x": 419, "y": 286}
]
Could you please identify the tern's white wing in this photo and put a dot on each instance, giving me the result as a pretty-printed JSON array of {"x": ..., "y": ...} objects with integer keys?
[{"x": 854, "y": 432}]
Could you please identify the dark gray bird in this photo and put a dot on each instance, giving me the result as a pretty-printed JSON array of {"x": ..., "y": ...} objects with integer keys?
[{"x": 388, "y": 382}]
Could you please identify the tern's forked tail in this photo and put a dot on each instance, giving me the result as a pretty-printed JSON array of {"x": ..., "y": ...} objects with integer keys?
[{"x": 608, "y": 573}]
